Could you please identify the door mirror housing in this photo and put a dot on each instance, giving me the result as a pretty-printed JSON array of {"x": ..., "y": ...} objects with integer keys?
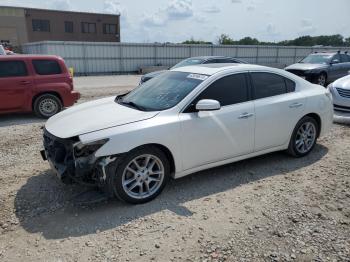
[{"x": 208, "y": 105}]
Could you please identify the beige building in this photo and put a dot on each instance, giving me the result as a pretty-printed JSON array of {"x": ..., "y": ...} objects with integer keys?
[{"x": 23, "y": 25}]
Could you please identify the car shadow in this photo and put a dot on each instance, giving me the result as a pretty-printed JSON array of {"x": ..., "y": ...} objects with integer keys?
[
  {"x": 14, "y": 119},
  {"x": 44, "y": 205}
]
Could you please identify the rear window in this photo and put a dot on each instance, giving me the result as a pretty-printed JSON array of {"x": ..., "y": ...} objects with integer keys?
[
  {"x": 12, "y": 69},
  {"x": 269, "y": 84},
  {"x": 47, "y": 67}
]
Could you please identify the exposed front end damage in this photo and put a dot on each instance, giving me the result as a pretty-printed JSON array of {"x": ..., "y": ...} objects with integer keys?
[{"x": 73, "y": 161}]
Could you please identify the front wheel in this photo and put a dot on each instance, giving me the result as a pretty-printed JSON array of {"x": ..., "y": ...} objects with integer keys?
[
  {"x": 139, "y": 176},
  {"x": 321, "y": 79},
  {"x": 304, "y": 137}
]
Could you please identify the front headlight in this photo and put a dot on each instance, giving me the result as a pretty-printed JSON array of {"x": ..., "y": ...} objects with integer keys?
[{"x": 84, "y": 150}]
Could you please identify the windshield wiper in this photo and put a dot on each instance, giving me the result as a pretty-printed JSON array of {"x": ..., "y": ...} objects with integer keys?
[{"x": 132, "y": 104}]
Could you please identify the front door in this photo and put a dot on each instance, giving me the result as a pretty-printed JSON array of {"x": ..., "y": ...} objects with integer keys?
[
  {"x": 15, "y": 85},
  {"x": 212, "y": 136}
]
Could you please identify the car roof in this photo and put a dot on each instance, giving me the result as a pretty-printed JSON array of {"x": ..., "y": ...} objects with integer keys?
[
  {"x": 209, "y": 57},
  {"x": 14, "y": 57},
  {"x": 211, "y": 69}
]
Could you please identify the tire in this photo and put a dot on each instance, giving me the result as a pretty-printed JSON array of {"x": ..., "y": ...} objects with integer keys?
[
  {"x": 47, "y": 105},
  {"x": 321, "y": 79},
  {"x": 302, "y": 143},
  {"x": 125, "y": 180}
]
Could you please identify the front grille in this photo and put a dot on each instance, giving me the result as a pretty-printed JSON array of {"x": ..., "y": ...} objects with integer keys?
[
  {"x": 342, "y": 108},
  {"x": 60, "y": 154},
  {"x": 343, "y": 92}
]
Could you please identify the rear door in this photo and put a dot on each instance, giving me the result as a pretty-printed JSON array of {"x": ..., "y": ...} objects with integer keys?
[
  {"x": 49, "y": 74},
  {"x": 277, "y": 108},
  {"x": 15, "y": 84}
]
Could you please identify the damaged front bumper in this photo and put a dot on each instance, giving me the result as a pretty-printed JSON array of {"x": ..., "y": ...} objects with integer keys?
[{"x": 75, "y": 162}]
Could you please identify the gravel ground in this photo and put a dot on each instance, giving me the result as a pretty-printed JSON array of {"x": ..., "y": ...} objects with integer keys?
[{"x": 270, "y": 208}]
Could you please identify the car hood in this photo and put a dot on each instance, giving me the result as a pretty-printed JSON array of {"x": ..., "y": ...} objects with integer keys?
[
  {"x": 343, "y": 82},
  {"x": 93, "y": 116},
  {"x": 305, "y": 67}
]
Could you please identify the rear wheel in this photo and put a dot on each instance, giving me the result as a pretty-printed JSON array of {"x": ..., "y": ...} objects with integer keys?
[
  {"x": 304, "y": 137},
  {"x": 139, "y": 176},
  {"x": 47, "y": 105}
]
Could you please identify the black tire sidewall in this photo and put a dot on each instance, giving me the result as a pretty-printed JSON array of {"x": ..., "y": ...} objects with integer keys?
[
  {"x": 115, "y": 173},
  {"x": 46, "y": 96},
  {"x": 292, "y": 147}
]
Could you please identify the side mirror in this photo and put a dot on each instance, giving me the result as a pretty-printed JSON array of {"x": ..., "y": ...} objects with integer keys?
[
  {"x": 208, "y": 105},
  {"x": 335, "y": 61}
]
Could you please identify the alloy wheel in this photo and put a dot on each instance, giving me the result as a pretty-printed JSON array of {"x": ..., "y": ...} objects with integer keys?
[
  {"x": 143, "y": 176},
  {"x": 321, "y": 80},
  {"x": 305, "y": 138}
]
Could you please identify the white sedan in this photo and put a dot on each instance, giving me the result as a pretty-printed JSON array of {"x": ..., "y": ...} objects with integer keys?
[{"x": 183, "y": 121}]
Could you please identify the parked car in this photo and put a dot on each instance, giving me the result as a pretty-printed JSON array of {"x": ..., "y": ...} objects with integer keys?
[
  {"x": 340, "y": 90},
  {"x": 195, "y": 61},
  {"x": 35, "y": 83},
  {"x": 322, "y": 68},
  {"x": 186, "y": 120}
]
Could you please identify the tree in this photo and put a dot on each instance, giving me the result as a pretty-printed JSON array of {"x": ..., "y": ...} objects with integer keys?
[
  {"x": 225, "y": 40},
  {"x": 196, "y": 42},
  {"x": 347, "y": 41}
]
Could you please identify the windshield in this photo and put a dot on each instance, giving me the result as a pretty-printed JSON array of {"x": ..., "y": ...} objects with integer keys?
[
  {"x": 188, "y": 62},
  {"x": 163, "y": 92},
  {"x": 316, "y": 59}
]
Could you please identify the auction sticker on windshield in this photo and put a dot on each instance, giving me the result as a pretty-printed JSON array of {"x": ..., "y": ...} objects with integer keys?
[{"x": 197, "y": 76}]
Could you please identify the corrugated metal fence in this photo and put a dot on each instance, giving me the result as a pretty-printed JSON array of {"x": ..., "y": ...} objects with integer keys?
[{"x": 88, "y": 58}]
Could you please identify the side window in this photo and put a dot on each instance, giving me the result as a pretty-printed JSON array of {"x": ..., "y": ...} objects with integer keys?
[
  {"x": 290, "y": 85},
  {"x": 344, "y": 58},
  {"x": 228, "y": 90},
  {"x": 13, "y": 69},
  {"x": 336, "y": 57},
  {"x": 210, "y": 61},
  {"x": 269, "y": 84},
  {"x": 226, "y": 61},
  {"x": 47, "y": 67}
]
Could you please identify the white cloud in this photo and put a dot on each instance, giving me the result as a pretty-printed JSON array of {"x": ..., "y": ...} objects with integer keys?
[
  {"x": 272, "y": 30},
  {"x": 212, "y": 9},
  {"x": 236, "y": 1},
  {"x": 154, "y": 20},
  {"x": 307, "y": 27},
  {"x": 112, "y": 7},
  {"x": 175, "y": 10},
  {"x": 251, "y": 8},
  {"x": 200, "y": 18},
  {"x": 179, "y": 9},
  {"x": 61, "y": 5}
]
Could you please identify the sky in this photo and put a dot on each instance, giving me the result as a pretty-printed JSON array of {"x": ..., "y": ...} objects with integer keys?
[{"x": 179, "y": 20}]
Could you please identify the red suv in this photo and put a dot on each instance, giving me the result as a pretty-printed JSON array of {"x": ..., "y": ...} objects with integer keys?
[{"x": 35, "y": 83}]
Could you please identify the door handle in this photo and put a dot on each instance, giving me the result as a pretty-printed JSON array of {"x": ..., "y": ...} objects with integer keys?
[
  {"x": 295, "y": 105},
  {"x": 245, "y": 115}
]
